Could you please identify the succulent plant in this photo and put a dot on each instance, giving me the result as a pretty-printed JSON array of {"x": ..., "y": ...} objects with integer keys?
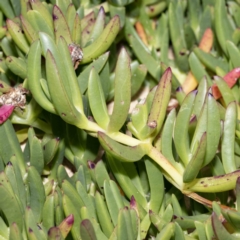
[{"x": 119, "y": 119}]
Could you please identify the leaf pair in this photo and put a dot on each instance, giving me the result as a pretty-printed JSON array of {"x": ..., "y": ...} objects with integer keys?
[
  {"x": 147, "y": 118},
  {"x": 122, "y": 96}
]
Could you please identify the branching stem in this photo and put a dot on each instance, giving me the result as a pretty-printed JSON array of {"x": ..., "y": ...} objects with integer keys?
[{"x": 170, "y": 171}]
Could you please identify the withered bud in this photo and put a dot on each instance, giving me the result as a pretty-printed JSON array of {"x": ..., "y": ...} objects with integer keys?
[
  {"x": 76, "y": 54},
  {"x": 15, "y": 97}
]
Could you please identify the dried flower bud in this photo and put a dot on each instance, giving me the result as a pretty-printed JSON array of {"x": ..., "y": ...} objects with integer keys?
[
  {"x": 76, "y": 54},
  {"x": 15, "y": 97}
]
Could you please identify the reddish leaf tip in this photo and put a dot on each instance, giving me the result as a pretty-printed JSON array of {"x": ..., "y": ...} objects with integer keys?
[
  {"x": 102, "y": 9},
  {"x": 179, "y": 89},
  {"x": 70, "y": 219},
  {"x": 132, "y": 202},
  {"x": 91, "y": 164}
]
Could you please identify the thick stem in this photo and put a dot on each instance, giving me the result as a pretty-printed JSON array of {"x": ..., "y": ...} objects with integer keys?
[
  {"x": 169, "y": 171},
  {"x": 124, "y": 139},
  {"x": 38, "y": 123},
  {"x": 93, "y": 128},
  {"x": 205, "y": 201}
]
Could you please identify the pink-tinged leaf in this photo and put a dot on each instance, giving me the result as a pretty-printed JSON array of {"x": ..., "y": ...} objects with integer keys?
[
  {"x": 218, "y": 228},
  {"x": 230, "y": 78},
  {"x": 66, "y": 225},
  {"x": 5, "y": 112}
]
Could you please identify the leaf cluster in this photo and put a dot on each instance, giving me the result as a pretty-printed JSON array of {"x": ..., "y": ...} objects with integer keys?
[{"x": 130, "y": 128}]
